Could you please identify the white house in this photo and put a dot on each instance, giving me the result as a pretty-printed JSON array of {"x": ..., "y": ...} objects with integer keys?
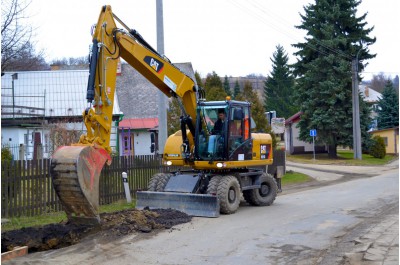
[
  {"x": 135, "y": 136},
  {"x": 32, "y": 102},
  {"x": 296, "y": 146}
]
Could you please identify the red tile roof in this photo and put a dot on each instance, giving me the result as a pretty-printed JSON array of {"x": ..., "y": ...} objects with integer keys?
[
  {"x": 146, "y": 123},
  {"x": 294, "y": 118}
]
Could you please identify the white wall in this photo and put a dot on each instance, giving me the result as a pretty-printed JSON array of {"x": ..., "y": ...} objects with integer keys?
[
  {"x": 308, "y": 147},
  {"x": 14, "y": 136},
  {"x": 141, "y": 142}
]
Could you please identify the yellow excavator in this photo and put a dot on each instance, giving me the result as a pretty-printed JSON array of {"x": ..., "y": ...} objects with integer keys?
[{"x": 221, "y": 161}]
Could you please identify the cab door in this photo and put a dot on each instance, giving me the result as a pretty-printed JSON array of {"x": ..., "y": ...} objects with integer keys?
[{"x": 239, "y": 140}]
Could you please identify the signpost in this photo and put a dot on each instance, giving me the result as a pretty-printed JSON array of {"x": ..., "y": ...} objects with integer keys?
[{"x": 313, "y": 133}]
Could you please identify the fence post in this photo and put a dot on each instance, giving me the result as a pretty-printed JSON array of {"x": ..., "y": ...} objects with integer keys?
[
  {"x": 126, "y": 187},
  {"x": 21, "y": 152},
  {"x": 39, "y": 152}
]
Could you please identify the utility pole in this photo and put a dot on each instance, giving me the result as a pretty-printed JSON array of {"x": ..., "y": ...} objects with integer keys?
[
  {"x": 356, "y": 110},
  {"x": 162, "y": 109}
]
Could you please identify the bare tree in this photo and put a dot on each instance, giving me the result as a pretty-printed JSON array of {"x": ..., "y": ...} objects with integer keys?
[
  {"x": 61, "y": 135},
  {"x": 378, "y": 82},
  {"x": 17, "y": 48}
]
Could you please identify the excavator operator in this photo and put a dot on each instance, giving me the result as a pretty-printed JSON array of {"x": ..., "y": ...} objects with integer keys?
[{"x": 219, "y": 124}]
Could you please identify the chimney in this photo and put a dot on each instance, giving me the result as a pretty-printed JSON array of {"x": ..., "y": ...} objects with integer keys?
[
  {"x": 54, "y": 67},
  {"x": 366, "y": 92}
]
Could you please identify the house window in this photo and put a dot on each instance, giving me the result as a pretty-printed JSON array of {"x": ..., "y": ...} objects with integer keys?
[
  {"x": 46, "y": 143},
  {"x": 385, "y": 139},
  {"x": 126, "y": 143}
]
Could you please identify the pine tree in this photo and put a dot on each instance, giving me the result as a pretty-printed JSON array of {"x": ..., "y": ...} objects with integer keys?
[
  {"x": 323, "y": 87},
  {"x": 212, "y": 80},
  {"x": 173, "y": 116},
  {"x": 257, "y": 111},
  {"x": 236, "y": 89},
  {"x": 213, "y": 87},
  {"x": 227, "y": 87},
  {"x": 198, "y": 79},
  {"x": 278, "y": 87},
  {"x": 388, "y": 110}
]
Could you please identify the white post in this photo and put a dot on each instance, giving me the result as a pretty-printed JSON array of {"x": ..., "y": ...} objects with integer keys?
[
  {"x": 126, "y": 187},
  {"x": 313, "y": 143}
]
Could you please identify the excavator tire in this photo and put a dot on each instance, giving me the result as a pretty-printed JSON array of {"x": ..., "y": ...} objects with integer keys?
[
  {"x": 228, "y": 193},
  {"x": 75, "y": 171},
  {"x": 158, "y": 182},
  {"x": 213, "y": 185},
  {"x": 265, "y": 195}
]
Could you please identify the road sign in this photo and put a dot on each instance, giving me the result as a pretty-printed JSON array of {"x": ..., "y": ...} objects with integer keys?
[{"x": 313, "y": 132}]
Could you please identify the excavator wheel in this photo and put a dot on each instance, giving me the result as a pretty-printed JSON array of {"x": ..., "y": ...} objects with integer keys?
[
  {"x": 265, "y": 195},
  {"x": 75, "y": 171},
  {"x": 228, "y": 193},
  {"x": 158, "y": 182},
  {"x": 213, "y": 185}
]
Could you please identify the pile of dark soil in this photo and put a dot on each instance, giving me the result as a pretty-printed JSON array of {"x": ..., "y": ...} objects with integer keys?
[{"x": 115, "y": 224}]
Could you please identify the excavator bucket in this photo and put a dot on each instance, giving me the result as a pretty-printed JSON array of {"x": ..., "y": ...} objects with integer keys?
[
  {"x": 204, "y": 205},
  {"x": 75, "y": 171}
]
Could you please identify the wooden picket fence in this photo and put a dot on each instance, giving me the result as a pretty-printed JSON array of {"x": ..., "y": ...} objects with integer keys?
[{"x": 27, "y": 189}]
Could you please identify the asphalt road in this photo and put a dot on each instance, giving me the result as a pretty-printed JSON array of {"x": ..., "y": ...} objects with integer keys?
[{"x": 313, "y": 226}]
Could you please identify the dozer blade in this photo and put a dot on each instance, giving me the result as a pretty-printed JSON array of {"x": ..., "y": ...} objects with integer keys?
[
  {"x": 203, "y": 205},
  {"x": 75, "y": 171}
]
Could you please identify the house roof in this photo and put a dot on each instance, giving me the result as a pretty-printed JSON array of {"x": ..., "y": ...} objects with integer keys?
[
  {"x": 369, "y": 94},
  {"x": 52, "y": 93},
  {"x": 145, "y": 123},
  {"x": 294, "y": 118},
  {"x": 396, "y": 129},
  {"x": 138, "y": 98}
]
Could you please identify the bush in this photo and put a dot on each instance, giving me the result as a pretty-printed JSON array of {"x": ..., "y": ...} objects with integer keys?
[
  {"x": 377, "y": 149},
  {"x": 6, "y": 155}
]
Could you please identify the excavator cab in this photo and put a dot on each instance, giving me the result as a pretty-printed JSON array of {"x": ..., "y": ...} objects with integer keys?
[{"x": 231, "y": 141}]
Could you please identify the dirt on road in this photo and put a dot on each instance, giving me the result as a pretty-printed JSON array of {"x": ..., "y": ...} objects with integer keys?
[{"x": 113, "y": 225}]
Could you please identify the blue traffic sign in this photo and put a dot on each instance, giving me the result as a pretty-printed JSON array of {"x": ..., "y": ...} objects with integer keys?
[{"x": 313, "y": 132}]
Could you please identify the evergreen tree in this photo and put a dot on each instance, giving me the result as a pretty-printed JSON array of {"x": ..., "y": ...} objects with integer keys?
[
  {"x": 212, "y": 80},
  {"x": 227, "y": 87},
  {"x": 388, "y": 111},
  {"x": 198, "y": 79},
  {"x": 215, "y": 94},
  {"x": 173, "y": 116},
  {"x": 365, "y": 122},
  {"x": 236, "y": 89},
  {"x": 323, "y": 87},
  {"x": 257, "y": 109},
  {"x": 213, "y": 87},
  {"x": 278, "y": 87}
]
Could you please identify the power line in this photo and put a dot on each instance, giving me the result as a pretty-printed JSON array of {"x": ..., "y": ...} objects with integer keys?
[{"x": 283, "y": 30}]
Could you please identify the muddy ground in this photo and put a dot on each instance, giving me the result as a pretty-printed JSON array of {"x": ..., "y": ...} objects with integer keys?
[{"x": 112, "y": 225}]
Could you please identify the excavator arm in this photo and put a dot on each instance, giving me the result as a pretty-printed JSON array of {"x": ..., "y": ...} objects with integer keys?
[
  {"x": 76, "y": 169},
  {"x": 111, "y": 43}
]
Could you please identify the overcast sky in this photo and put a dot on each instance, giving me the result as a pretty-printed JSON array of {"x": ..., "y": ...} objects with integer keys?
[{"x": 230, "y": 37}]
